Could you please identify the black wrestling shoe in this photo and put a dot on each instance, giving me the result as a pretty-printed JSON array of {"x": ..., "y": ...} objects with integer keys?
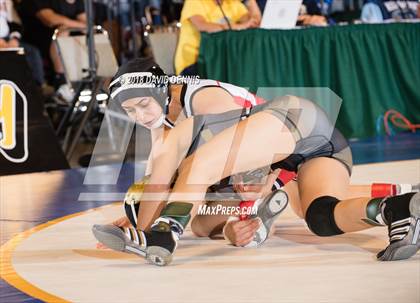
[
  {"x": 268, "y": 211},
  {"x": 158, "y": 245},
  {"x": 402, "y": 215},
  {"x": 165, "y": 232},
  {"x": 125, "y": 239},
  {"x": 164, "y": 238}
]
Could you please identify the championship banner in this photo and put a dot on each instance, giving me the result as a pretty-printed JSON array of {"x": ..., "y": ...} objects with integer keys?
[{"x": 27, "y": 140}]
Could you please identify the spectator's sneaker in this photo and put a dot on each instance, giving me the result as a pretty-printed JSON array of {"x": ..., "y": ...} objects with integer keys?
[
  {"x": 268, "y": 211},
  {"x": 65, "y": 92},
  {"x": 402, "y": 215}
]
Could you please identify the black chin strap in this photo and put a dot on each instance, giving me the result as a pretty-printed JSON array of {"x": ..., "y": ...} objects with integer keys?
[{"x": 168, "y": 101}]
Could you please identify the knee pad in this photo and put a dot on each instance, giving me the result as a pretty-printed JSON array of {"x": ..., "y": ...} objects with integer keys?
[{"x": 320, "y": 217}]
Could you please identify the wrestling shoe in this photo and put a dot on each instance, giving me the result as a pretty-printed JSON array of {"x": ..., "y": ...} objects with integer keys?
[
  {"x": 402, "y": 215},
  {"x": 269, "y": 209},
  {"x": 125, "y": 239},
  {"x": 158, "y": 245}
]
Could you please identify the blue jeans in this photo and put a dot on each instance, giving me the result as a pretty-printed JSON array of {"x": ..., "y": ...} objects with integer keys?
[
  {"x": 140, "y": 5},
  {"x": 34, "y": 59}
]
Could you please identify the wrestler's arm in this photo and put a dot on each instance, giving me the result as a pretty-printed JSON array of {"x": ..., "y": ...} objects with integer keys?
[
  {"x": 240, "y": 233},
  {"x": 235, "y": 231},
  {"x": 165, "y": 163},
  {"x": 157, "y": 137}
]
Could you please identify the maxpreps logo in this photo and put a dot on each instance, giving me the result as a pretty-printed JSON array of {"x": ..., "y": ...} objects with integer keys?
[{"x": 13, "y": 122}]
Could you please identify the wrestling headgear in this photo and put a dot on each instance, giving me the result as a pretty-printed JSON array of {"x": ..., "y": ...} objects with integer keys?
[{"x": 140, "y": 78}]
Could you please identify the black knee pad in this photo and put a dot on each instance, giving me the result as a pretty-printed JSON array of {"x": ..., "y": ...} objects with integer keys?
[{"x": 320, "y": 217}]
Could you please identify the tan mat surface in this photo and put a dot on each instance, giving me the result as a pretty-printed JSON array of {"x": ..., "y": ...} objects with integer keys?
[{"x": 293, "y": 266}]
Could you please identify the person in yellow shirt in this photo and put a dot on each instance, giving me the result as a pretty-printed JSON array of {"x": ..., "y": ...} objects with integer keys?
[{"x": 207, "y": 16}]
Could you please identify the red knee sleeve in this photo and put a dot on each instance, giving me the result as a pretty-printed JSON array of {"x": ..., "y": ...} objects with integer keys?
[
  {"x": 285, "y": 176},
  {"x": 380, "y": 190}
]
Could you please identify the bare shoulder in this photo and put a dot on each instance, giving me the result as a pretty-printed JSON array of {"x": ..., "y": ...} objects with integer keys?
[{"x": 212, "y": 100}]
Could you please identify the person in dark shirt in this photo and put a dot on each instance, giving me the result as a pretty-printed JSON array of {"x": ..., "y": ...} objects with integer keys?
[
  {"x": 313, "y": 12},
  {"x": 11, "y": 37},
  {"x": 316, "y": 12},
  {"x": 377, "y": 11},
  {"x": 40, "y": 19}
]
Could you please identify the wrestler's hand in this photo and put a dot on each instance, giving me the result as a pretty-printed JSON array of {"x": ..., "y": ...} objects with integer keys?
[
  {"x": 254, "y": 191},
  {"x": 240, "y": 233},
  {"x": 120, "y": 222}
]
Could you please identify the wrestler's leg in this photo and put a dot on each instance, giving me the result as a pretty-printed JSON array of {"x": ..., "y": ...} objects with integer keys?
[
  {"x": 210, "y": 225},
  {"x": 328, "y": 214},
  {"x": 236, "y": 149},
  {"x": 323, "y": 176},
  {"x": 350, "y": 213},
  {"x": 353, "y": 192},
  {"x": 292, "y": 190},
  {"x": 314, "y": 182},
  {"x": 357, "y": 191}
]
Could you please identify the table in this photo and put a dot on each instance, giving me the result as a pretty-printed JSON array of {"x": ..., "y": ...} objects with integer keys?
[{"x": 371, "y": 67}]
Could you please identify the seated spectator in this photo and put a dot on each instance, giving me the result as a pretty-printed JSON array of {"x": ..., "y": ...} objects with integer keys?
[
  {"x": 171, "y": 10},
  {"x": 207, "y": 16},
  {"x": 377, "y": 11},
  {"x": 149, "y": 9},
  {"x": 40, "y": 19},
  {"x": 254, "y": 10},
  {"x": 261, "y": 4},
  {"x": 152, "y": 11},
  {"x": 315, "y": 12},
  {"x": 11, "y": 37}
]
